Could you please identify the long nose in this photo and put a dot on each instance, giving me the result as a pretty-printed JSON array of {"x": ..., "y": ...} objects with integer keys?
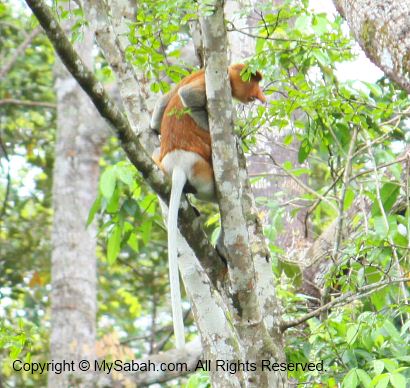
[{"x": 261, "y": 97}]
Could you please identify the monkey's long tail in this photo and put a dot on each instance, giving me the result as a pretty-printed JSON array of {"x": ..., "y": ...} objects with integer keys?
[{"x": 178, "y": 182}]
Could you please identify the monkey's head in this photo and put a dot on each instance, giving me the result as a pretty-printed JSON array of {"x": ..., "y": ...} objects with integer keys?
[{"x": 245, "y": 91}]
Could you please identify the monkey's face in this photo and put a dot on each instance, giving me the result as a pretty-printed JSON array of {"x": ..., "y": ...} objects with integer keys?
[
  {"x": 247, "y": 91},
  {"x": 256, "y": 93}
]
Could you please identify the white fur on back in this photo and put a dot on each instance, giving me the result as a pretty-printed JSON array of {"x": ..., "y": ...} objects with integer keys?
[
  {"x": 186, "y": 161},
  {"x": 181, "y": 158}
]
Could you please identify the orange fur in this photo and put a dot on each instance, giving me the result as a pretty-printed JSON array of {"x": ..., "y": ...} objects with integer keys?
[
  {"x": 203, "y": 171},
  {"x": 185, "y": 154},
  {"x": 180, "y": 132}
]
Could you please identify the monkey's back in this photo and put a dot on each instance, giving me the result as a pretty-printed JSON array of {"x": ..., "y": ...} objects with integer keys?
[{"x": 180, "y": 132}]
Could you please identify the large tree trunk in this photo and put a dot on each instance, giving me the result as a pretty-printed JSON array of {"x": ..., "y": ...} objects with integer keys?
[
  {"x": 381, "y": 27},
  {"x": 250, "y": 295},
  {"x": 75, "y": 181}
]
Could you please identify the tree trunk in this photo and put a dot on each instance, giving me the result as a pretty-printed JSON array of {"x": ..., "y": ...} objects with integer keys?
[
  {"x": 80, "y": 134},
  {"x": 381, "y": 27},
  {"x": 243, "y": 246}
]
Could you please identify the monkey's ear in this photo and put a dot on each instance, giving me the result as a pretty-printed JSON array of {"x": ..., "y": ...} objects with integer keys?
[{"x": 257, "y": 76}]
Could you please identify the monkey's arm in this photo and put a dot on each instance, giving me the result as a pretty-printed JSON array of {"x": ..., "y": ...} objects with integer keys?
[
  {"x": 158, "y": 112},
  {"x": 193, "y": 97}
]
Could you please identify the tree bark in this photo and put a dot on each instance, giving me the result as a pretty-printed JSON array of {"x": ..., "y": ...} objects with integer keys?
[
  {"x": 239, "y": 227},
  {"x": 381, "y": 27},
  {"x": 80, "y": 135}
]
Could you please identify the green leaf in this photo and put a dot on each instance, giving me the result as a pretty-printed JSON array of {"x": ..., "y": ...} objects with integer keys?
[
  {"x": 126, "y": 174},
  {"x": 378, "y": 366},
  {"x": 113, "y": 244},
  {"x": 291, "y": 270},
  {"x": 114, "y": 203},
  {"x": 304, "y": 151},
  {"x": 350, "y": 380},
  {"x": 107, "y": 183},
  {"x": 133, "y": 242},
  {"x": 405, "y": 328},
  {"x": 398, "y": 380},
  {"x": 349, "y": 197},
  {"x": 94, "y": 208},
  {"x": 287, "y": 165},
  {"x": 148, "y": 204},
  {"x": 390, "y": 364},
  {"x": 388, "y": 195},
  {"x": 322, "y": 57},
  {"x": 381, "y": 381},
  {"x": 378, "y": 298},
  {"x": 380, "y": 227},
  {"x": 320, "y": 24},
  {"x": 259, "y": 44},
  {"x": 301, "y": 171},
  {"x": 288, "y": 139},
  {"x": 15, "y": 351},
  {"x": 352, "y": 333},
  {"x": 375, "y": 89},
  {"x": 364, "y": 378},
  {"x": 145, "y": 230},
  {"x": 302, "y": 23},
  {"x": 391, "y": 330}
]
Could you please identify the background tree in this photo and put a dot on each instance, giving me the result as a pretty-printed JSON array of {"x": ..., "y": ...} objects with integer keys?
[
  {"x": 381, "y": 30},
  {"x": 80, "y": 136}
]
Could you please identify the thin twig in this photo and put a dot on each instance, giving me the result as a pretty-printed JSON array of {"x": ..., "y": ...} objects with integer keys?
[
  {"x": 386, "y": 222},
  {"x": 231, "y": 28},
  {"x": 346, "y": 180},
  {"x": 382, "y": 137},
  {"x": 342, "y": 300},
  {"x": 298, "y": 181},
  {"x": 19, "y": 51},
  {"x": 41, "y": 104},
  {"x": 380, "y": 166},
  {"x": 317, "y": 202}
]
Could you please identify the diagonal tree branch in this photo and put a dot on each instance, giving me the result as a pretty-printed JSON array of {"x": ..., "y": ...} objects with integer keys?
[
  {"x": 342, "y": 300},
  {"x": 189, "y": 223}
]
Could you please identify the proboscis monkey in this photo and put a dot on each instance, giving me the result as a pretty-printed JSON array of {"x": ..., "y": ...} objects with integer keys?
[{"x": 185, "y": 155}]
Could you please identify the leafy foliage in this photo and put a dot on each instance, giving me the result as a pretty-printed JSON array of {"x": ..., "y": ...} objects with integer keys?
[
  {"x": 157, "y": 36},
  {"x": 319, "y": 114}
]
